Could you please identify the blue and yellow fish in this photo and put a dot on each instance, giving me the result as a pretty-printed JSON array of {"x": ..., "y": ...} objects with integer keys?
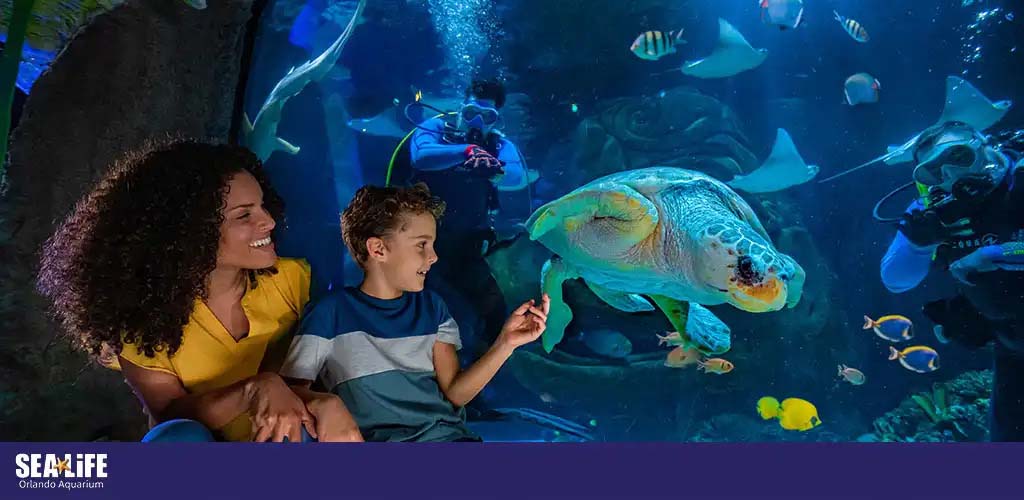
[
  {"x": 853, "y": 28},
  {"x": 918, "y": 358},
  {"x": 894, "y": 328}
]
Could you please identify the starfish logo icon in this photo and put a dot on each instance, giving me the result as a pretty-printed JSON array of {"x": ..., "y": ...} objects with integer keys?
[{"x": 62, "y": 465}]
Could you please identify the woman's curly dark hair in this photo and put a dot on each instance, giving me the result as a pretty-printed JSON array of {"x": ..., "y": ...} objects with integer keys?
[{"x": 133, "y": 256}]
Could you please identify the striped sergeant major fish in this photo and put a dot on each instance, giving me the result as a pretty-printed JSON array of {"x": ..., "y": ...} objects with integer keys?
[
  {"x": 853, "y": 28},
  {"x": 652, "y": 45}
]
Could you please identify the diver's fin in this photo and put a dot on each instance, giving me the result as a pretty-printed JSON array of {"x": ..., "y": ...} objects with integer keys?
[
  {"x": 677, "y": 312},
  {"x": 965, "y": 103},
  {"x": 630, "y": 213},
  {"x": 628, "y": 302},
  {"x": 552, "y": 275},
  {"x": 732, "y": 55},
  {"x": 783, "y": 169}
]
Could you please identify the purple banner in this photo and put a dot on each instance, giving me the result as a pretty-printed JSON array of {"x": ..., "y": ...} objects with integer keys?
[{"x": 521, "y": 471}]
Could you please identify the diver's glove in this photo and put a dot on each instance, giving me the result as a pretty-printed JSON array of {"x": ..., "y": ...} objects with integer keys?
[
  {"x": 479, "y": 161},
  {"x": 957, "y": 319},
  {"x": 923, "y": 228},
  {"x": 982, "y": 260}
]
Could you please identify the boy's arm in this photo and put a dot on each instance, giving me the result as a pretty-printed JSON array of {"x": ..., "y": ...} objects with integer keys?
[
  {"x": 461, "y": 387},
  {"x": 523, "y": 326}
]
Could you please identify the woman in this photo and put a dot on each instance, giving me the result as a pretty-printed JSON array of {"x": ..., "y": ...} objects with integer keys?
[{"x": 166, "y": 270}]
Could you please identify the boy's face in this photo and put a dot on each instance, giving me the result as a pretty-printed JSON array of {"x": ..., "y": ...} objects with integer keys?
[{"x": 410, "y": 253}]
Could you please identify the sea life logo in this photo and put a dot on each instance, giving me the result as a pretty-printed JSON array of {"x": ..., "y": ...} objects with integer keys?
[{"x": 60, "y": 471}]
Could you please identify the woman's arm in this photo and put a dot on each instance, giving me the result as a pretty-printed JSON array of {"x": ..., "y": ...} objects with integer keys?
[{"x": 274, "y": 414}]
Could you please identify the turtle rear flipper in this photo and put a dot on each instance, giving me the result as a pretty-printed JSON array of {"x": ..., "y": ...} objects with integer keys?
[{"x": 552, "y": 275}]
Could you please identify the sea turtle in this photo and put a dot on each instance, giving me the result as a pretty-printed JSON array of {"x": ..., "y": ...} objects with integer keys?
[{"x": 674, "y": 235}]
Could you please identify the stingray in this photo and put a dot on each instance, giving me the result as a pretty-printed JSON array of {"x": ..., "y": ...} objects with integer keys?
[
  {"x": 384, "y": 124},
  {"x": 964, "y": 103},
  {"x": 391, "y": 123},
  {"x": 783, "y": 169},
  {"x": 732, "y": 55}
]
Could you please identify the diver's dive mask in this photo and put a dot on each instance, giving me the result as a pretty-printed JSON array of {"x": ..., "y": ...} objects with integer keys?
[
  {"x": 478, "y": 115},
  {"x": 957, "y": 152}
]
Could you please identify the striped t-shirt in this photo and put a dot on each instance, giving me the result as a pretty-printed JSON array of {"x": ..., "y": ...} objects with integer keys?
[{"x": 377, "y": 355}]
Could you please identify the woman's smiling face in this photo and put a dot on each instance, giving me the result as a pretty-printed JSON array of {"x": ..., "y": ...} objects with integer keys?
[{"x": 245, "y": 240}]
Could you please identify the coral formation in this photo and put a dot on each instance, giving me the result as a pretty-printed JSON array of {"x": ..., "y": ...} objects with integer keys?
[{"x": 956, "y": 410}]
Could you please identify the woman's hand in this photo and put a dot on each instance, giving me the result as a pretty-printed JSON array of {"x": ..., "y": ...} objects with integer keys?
[
  {"x": 334, "y": 423},
  {"x": 525, "y": 324},
  {"x": 275, "y": 410}
]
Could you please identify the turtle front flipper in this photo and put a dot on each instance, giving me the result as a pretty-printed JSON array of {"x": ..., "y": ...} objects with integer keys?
[
  {"x": 615, "y": 219},
  {"x": 628, "y": 302},
  {"x": 677, "y": 312},
  {"x": 707, "y": 341},
  {"x": 552, "y": 275}
]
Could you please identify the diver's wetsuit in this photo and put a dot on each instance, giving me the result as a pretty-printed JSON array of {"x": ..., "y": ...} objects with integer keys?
[
  {"x": 461, "y": 275},
  {"x": 992, "y": 309}
]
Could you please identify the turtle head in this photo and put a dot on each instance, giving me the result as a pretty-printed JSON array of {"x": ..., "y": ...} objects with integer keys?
[{"x": 743, "y": 269}]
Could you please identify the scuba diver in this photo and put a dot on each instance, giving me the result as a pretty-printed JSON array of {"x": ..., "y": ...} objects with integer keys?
[
  {"x": 465, "y": 164},
  {"x": 969, "y": 220}
]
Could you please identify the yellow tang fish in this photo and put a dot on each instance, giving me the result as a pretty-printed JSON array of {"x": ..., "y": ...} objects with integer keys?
[
  {"x": 794, "y": 414},
  {"x": 652, "y": 45}
]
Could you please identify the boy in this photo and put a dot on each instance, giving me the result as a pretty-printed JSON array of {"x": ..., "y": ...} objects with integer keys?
[{"x": 388, "y": 347}]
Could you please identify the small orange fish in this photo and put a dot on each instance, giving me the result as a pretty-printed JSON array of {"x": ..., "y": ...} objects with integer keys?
[
  {"x": 670, "y": 338},
  {"x": 852, "y": 375},
  {"x": 715, "y": 365},
  {"x": 681, "y": 358}
]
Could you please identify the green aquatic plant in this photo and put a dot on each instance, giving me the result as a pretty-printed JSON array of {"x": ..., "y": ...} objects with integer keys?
[
  {"x": 934, "y": 403},
  {"x": 17, "y": 23}
]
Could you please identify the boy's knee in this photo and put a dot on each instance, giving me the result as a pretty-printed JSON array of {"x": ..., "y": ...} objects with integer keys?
[{"x": 179, "y": 431}]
